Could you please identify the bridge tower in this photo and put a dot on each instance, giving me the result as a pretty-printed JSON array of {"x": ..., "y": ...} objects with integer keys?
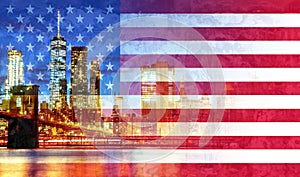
[{"x": 23, "y": 133}]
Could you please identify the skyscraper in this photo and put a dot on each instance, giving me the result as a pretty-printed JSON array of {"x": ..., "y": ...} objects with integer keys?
[
  {"x": 58, "y": 81},
  {"x": 15, "y": 73},
  {"x": 95, "y": 84},
  {"x": 158, "y": 79},
  {"x": 160, "y": 71},
  {"x": 15, "y": 68},
  {"x": 95, "y": 78},
  {"x": 79, "y": 82},
  {"x": 94, "y": 97}
]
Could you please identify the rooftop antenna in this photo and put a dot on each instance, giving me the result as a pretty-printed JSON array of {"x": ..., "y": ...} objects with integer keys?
[{"x": 58, "y": 23}]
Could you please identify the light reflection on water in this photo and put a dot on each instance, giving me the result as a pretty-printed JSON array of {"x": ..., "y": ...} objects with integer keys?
[
  {"x": 89, "y": 170},
  {"x": 58, "y": 163}
]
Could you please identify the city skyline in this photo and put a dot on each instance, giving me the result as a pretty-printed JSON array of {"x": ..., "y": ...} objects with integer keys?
[{"x": 31, "y": 33}]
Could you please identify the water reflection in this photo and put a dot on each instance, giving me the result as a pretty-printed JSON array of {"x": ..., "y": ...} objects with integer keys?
[
  {"x": 93, "y": 163},
  {"x": 89, "y": 170},
  {"x": 77, "y": 163}
]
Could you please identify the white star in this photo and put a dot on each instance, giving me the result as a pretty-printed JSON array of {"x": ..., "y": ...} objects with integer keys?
[
  {"x": 110, "y": 28},
  {"x": 99, "y": 38},
  {"x": 109, "y": 66},
  {"x": 40, "y": 76},
  {"x": 49, "y": 28},
  {"x": 30, "y": 28},
  {"x": 20, "y": 18},
  {"x": 10, "y": 9},
  {"x": 89, "y": 66},
  {"x": 69, "y": 47},
  {"x": 79, "y": 38},
  {"x": 29, "y": 9},
  {"x": 109, "y": 85},
  {"x": 99, "y": 19},
  {"x": 70, "y": 28},
  {"x": 48, "y": 48},
  {"x": 48, "y": 85},
  {"x": 10, "y": 47},
  {"x": 10, "y": 28},
  {"x": 109, "y": 9},
  {"x": 30, "y": 83},
  {"x": 49, "y": 9},
  {"x": 48, "y": 67},
  {"x": 40, "y": 57},
  {"x": 40, "y": 38},
  {"x": 69, "y": 67},
  {"x": 79, "y": 19},
  {"x": 20, "y": 38},
  {"x": 30, "y": 47},
  {"x": 101, "y": 76},
  {"x": 90, "y": 28},
  {"x": 90, "y": 47},
  {"x": 100, "y": 57},
  {"x": 61, "y": 19},
  {"x": 30, "y": 67},
  {"x": 40, "y": 19},
  {"x": 70, "y": 9},
  {"x": 89, "y": 9},
  {"x": 109, "y": 47}
]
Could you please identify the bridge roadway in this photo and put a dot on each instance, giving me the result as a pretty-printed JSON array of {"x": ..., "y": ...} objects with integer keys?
[{"x": 9, "y": 115}]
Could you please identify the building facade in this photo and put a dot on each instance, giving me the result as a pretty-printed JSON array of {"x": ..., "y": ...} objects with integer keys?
[
  {"x": 58, "y": 81},
  {"x": 94, "y": 96},
  {"x": 79, "y": 81},
  {"x": 157, "y": 79},
  {"x": 79, "y": 84},
  {"x": 95, "y": 78},
  {"x": 15, "y": 74}
]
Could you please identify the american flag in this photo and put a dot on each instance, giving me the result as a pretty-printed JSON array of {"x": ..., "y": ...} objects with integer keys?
[{"x": 243, "y": 55}]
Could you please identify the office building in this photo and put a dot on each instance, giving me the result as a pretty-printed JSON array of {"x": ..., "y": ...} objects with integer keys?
[
  {"x": 79, "y": 84},
  {"x": 15, "y": 74},
  {"x": 58, "y": 81},
  {"x": 157, "y": 79}
]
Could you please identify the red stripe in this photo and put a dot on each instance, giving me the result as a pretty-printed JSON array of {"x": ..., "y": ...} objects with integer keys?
[
  {"x": 214, "y": 115},
  {"x": 210, "y": 34},
  {"x": 210, "y": 6},
  {"x": 209, "y": 61},
  {"x": 232, "y": 88},
  {"x": 218, "y": 142}
]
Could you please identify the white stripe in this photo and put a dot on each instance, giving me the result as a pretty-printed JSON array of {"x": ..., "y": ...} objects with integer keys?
[
  {"x": 210, "y": 75},
  {"x": 209, "y": 47},
  {"x": 217, "y": 129},
  {"x": 210, "y": 20},
  {"x": 161, "y": 156},
  {"x": 215, "y": 102}
]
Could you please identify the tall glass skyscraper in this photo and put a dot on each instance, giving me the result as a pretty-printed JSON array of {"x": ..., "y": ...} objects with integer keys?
[
  {"x": 94, "y": 78},
  {"x": 79, "y": 80},
  {"x": 15, "y": 69},
  {"x": 94, "y": 98},
  {"x": 79, "y": 84},
  {"x": 58, "y": 81}
]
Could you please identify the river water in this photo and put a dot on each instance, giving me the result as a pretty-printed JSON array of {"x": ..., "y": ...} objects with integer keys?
[{"x": 88, "y": 162}]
